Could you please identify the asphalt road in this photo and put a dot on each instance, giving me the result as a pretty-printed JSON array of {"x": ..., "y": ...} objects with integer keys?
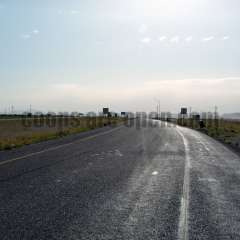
[{"x": 162, "y": 182}]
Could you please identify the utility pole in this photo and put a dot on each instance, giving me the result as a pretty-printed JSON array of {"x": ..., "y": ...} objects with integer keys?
[
  {"x": 159, "y": 103},
  {"x": 215, "y": 112},
  {"x": 158, "y": 108},
  {"x": 216, "y": 119},
  {"x": 190, "y": 120}
]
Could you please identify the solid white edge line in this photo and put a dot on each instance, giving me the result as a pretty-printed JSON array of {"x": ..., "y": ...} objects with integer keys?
[
  {"x": 184, "y": 210},
  {"x": 57, "y": 147}
]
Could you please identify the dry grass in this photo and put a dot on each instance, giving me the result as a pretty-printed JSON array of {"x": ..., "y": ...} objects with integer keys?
[
  {"x": 18, "y": 132},
  {"x": 227, "y": 131}
]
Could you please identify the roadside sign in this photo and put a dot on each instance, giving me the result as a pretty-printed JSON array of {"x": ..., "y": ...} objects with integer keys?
[
  {"x": 105, "y": 110},
  {"x": 183, "y": 111}
]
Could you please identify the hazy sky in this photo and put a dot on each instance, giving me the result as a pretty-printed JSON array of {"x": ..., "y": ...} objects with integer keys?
[{"x": 77, "y": 55}]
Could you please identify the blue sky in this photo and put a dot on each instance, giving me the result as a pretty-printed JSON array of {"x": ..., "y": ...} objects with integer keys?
[{"x": 81, "y": 55}]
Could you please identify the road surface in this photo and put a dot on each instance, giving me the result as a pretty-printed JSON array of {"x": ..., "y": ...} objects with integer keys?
[{"x": 163, "y": 182}]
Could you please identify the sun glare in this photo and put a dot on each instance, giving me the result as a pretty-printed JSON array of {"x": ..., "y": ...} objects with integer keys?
[{"x": 166, "y": 8}]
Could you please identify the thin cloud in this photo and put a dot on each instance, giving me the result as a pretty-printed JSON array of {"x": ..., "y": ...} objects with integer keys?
[
  {"x": 175, "y": 39},
  {"x": 146, "y": 40},
  {"x": 207, "y": 39},
  {"x": 68, "y": 12},
  {"x": 99, "y": 42},
  {"x": 25, "y": 36},
  {"x": 35, "y": 32},
  {"x": 188, "y": 87},
  {"x": 188, "y": 39},
  {"x": 162, "y": 38},
  {"x": 74, "y": 12},
  {"x": 143, "y": 29},
  {"x": 225, "y": 38}
]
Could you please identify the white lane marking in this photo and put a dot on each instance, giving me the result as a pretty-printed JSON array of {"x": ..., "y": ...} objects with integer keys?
[
  {"x": 183, "y": 220},
  {"x": 118, "y": 153},
  {"x": 207, "y": 179},
  {"x": 57, "y": 147},
  {"x": 155, "y": 173}
]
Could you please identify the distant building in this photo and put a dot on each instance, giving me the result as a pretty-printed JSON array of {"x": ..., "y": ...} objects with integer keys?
[{"x": 142, "y": 115}]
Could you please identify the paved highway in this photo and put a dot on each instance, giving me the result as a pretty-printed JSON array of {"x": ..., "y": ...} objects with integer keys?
[{"x": 121, "y": 183}]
